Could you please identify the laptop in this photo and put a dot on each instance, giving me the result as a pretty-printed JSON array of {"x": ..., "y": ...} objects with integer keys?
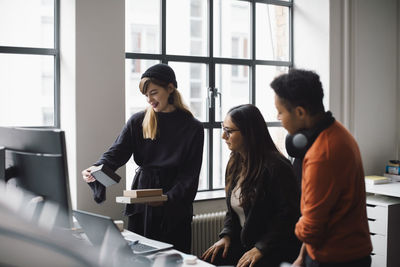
[{"x": 100, "y": 229}]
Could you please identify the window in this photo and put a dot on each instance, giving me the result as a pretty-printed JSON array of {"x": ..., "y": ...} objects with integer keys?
[
  {"x": 223, "y": 55},
  {"x": 29, "y": 63}
]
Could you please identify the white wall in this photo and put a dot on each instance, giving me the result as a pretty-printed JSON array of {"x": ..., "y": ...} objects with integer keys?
[
  {"x": 67, "y": 88},
  {"x": 353, "y": 45},
  {"x": 375, "y": 82},
  {"x": 364, "y": 76},
  {"x": 311, "y": 39},
  {"x": 92, "y": 84}
]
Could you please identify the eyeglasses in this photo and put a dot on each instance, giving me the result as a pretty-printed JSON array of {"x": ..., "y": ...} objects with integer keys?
[{"x": 228, "y": 131}]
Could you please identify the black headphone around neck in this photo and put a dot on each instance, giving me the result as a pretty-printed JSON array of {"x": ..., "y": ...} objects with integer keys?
[{"x": 298, "y": 143}]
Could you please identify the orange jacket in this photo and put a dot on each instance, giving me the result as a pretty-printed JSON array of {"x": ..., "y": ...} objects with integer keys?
[{"x": 334, "y": 224}]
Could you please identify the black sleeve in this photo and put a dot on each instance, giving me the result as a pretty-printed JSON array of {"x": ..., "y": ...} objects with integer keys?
[
  {"x": 99, "y": 191},
  {"x": 116, "y": 156},
  {"x": 120, "y": 152},
  {"x": 284, "y": 196},
  {"x": 182, "y": 194}
]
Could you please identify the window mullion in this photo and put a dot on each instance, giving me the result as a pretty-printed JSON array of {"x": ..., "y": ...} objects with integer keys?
[
  {"x": 291, "y": 36},
  {"x": 211, "y": 86},
  {"x": 220, "y": 64},
  {"x": 57, "y": 89},
  {"x": 253, "y": 53},
  {"x": 164, "y": 31}
]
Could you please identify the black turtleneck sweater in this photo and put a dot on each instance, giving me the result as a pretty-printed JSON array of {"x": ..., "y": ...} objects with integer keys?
[{"x": 177, "y": 151}]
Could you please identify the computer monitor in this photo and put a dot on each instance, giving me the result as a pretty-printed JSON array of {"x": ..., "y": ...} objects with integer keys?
[
  {"x": 2, "y": 163},
  {"x": 35, "y": 159}
]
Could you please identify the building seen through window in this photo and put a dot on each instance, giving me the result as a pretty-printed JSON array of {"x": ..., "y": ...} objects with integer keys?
[
  {"x": 221, "y": 60},
  {"x": 215, "y": 72},
  {"x": 28, "y": 50}
]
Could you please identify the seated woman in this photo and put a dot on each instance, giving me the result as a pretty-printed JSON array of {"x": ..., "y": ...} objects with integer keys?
[{"x": 262, "y": 197}]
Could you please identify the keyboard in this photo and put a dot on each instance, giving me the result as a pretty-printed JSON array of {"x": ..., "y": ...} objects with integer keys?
[{"x": 138, "y": 247}]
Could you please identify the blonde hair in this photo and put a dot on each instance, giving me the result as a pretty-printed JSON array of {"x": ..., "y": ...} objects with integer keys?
[{"x": 150, "y": 118}]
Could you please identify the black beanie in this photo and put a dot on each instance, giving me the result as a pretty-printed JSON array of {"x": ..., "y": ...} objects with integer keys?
[{"x": 162, "y": 72}]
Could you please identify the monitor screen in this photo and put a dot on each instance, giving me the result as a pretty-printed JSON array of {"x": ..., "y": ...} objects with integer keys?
[
  {"x": 2, "y": 163},
  {"x": 36, "y": 160}
]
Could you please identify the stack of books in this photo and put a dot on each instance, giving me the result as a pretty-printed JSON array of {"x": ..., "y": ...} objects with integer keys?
[
  {"x": 142, "y": 196},
  {"x": 375, "y": 179},
  {"x": 393, "y": 177}
]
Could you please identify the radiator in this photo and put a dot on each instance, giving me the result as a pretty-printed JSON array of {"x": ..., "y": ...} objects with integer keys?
[{"x": 205, "y": 230}]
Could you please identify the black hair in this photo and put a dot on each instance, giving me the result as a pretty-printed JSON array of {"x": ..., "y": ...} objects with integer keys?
[
  {"x": 300, "y": 88},
  {"x": 259, "y": 146}
]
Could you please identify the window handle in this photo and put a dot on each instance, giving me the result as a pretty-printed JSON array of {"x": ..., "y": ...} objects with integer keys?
[
  {"x": 213, "y": 93},
  {"x": 210, "y": 96},
  {"x": 219, "y": 95}
]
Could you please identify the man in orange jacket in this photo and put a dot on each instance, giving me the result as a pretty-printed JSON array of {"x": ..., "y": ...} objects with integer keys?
[{"x": 334, "y": 225}]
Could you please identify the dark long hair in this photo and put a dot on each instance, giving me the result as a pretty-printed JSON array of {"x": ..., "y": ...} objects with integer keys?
[{"x": 259, "y": 148}]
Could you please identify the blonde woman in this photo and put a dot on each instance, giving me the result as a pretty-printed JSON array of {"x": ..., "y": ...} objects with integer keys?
[{"x": 166, "y": 142}]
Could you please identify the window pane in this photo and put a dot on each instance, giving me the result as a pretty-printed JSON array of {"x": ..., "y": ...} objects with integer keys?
[
  {"x": 221, "y": 155},
  {"x": 191, "y": 79},
  {"x": 265, "y": 96},
  {"x": 187, "y": 27},
  {"x": 26, "y": 90},
  {"x": 278, "y": 135},
  {"x": 187, "y": 35},
  {"x": 196, "y": 8},
  {"x": 27, "y": 23},
  {"x": 232, "y": 28},
  {"x": 272, "y": 32},
  {"x": 142, "y": 26},
  {"x": 203, "y": 179},
  {"x": 134, "y": 100},
  {"x": 232, "y": 81}
]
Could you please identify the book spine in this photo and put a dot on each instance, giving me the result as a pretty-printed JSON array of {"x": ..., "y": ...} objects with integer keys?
[
  {"x": 142, "y": 193},
  {"x": 125, "y": 200},
  {"x": 393, "y": 177},
  {"x": 131, "y": 200},
  {"x": 377, "y": 180},
  {"x": 130, "y": 193}
]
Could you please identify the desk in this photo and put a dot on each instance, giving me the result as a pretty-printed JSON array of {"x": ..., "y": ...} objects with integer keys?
[
  {"x": 135, "y": 236},
  {"x": 383, "y": 210},
  {"x": 390, "y": 189},
  {"x": 199, "y": 262}
]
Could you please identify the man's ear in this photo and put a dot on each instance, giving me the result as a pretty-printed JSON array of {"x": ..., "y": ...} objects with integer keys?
[{"x": 300, "y": 112}]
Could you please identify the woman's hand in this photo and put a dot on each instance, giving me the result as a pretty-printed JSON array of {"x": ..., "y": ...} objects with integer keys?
[
  {"x": 250, "y": 258},
  {"x": 212, "y": 251},
  {"x": 87, "y": 176}
]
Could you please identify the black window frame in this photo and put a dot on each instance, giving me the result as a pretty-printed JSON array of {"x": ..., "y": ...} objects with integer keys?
[{"x": 55, "y": 52}]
